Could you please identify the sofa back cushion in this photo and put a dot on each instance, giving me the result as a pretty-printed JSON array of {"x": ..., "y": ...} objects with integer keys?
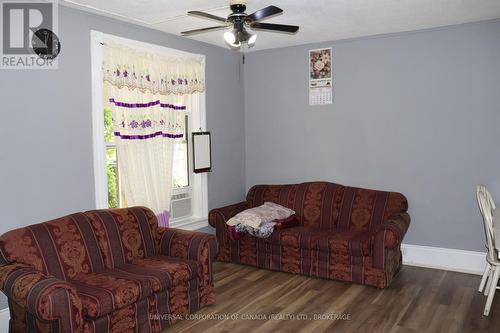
[
  {"x": 64, "y": 247},
  {"x": 364, "y": 209},
  {"x": 125, "y": 234},
  {"x": 331, "y": 206},
  {"x": 314, "y": 203}
]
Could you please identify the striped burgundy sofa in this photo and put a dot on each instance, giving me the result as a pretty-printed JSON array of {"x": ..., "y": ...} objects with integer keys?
[
  {"x": 345, "y": 233},
  {"x": 104, "y": 271}
]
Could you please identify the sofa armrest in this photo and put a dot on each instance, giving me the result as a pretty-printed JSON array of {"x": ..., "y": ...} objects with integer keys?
[
  {"x": 225, "y": 213},
  {"x": 388, "y": 236},
  {"x": 192, "y": 245},
  {"x": 218, "y": 217},
  {"x": 393, "y": 230},
  {"x": 43, "y": 296}
]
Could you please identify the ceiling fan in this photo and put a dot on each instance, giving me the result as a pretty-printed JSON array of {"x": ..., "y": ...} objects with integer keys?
[{"x": 240, "y": 21}]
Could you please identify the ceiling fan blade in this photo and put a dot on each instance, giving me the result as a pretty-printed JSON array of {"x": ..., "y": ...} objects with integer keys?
[
  {"x": 275, "y": 27},
  {"x": 198, "y": 31},
  {"x": 263, "y": 13},
  {"x": 207, "y": 15}
]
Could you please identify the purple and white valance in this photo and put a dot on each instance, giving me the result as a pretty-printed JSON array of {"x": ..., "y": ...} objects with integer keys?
[{"x": 157, "y": 74}]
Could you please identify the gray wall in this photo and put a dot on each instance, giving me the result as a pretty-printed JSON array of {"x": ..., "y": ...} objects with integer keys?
[
  {"x": 46, "y": 166},
  {"x": 416, "y": 112}
]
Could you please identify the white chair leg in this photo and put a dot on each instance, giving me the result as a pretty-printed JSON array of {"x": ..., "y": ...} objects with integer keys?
[
  {"x": 484, "y": 278},
  {"x": 493, "y": 288},
  {"x": 488, "y": 281}
]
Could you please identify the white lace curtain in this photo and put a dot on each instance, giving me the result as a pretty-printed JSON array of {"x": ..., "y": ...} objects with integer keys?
[{"x": 148, "y": 95}]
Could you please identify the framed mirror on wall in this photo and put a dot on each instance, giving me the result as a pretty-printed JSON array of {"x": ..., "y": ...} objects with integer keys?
[{"x": 202, "y": 154}]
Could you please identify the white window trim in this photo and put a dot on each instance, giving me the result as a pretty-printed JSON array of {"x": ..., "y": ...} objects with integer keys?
[{"x": 198, "y": 187}]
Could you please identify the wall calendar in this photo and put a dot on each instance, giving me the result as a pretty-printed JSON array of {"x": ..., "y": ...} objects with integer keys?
[{"x": 320, "y": 77}]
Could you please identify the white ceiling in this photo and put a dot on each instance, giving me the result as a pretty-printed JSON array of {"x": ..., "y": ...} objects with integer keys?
[{"x": 319, "y": 20}]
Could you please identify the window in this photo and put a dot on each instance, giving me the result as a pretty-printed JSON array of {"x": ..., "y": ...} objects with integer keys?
[
  {"x": 181, "y": 168},
  {"x": 111, "y": 162},
  {"x": 189, "y": 198},
  {"x": 181, "y": 160}
]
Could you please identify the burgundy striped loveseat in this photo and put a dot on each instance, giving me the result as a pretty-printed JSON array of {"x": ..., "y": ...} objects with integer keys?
[
  {"x": 104, "y": 271},
  {"x": 346, "y": 233}
]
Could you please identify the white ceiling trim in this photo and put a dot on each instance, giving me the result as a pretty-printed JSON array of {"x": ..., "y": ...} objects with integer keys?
[
  {"x": 173, "y": 18},
  {"x": 91, "y": 9},
  {"x": 100, "y": 11}
]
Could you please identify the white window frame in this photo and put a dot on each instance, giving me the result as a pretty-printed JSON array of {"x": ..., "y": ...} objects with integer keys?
[{"x": 198, "y": 182}]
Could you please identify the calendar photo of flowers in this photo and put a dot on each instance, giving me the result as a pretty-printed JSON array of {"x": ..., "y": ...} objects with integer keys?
[{"x": 320, "y": 64}]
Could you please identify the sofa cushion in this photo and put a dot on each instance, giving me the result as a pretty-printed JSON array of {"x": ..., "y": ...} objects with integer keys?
[
  {"x": 110, "y": 290},
  {"x": 364, "y": 209},
  {"x": 351, "y": 243},
  {"x": 64, "y": 247},
  {"x": 171, "y": 269},
  {"x": 125, "y": 234},
  {"x": 316, "y": 204}
]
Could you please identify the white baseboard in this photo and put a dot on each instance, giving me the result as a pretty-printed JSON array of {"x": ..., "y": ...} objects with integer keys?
[
  {"x": 4, "y": 320},
  {"x": 442, "y": 258}
]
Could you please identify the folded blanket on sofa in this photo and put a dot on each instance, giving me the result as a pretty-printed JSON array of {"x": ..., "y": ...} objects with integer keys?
[
  {"x": 254, "y": 217},
  {"x": 263, "y": 231},
  {"x": 267, "y": 228},
  {"x": 260, "y": 221}
]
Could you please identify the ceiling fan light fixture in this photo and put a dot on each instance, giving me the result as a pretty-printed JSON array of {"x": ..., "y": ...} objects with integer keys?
[
  {"x": 252, "y": 40},
  {"x": 231, "y": 38},
  {"x": 235, "y": 38}
]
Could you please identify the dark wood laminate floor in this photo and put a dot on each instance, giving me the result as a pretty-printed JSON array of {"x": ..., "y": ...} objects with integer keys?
[{"x": 419, "y": 300}]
